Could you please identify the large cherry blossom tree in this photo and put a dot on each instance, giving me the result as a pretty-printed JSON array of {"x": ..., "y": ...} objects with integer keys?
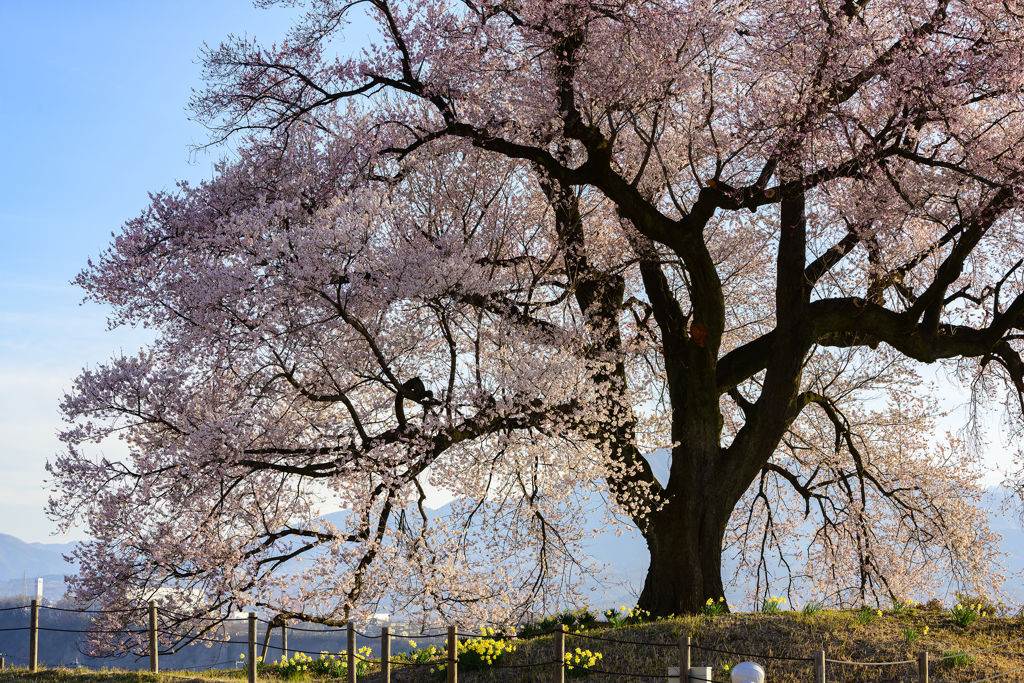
[{"x": 513, "y": 247}]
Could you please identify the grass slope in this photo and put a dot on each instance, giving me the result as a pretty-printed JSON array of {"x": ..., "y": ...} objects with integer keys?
[{"x": 843, "y": 635}]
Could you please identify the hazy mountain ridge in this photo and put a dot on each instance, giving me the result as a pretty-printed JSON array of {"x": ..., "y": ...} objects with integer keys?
[
  {"x": 624, "y": 555},
  {"x": 36, "y": 559}
]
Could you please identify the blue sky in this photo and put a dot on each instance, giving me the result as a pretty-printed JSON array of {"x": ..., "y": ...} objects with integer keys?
[{"x": 92, "y": 119}]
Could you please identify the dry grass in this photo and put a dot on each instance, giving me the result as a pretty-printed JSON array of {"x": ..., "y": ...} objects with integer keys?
[{"x": 841, "y": 634}]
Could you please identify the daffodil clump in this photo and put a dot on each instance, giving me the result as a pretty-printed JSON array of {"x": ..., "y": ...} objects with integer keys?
[
  {"x": 575, "y": 621},
  {"x": 965, "y": 615},
  {"x": 419, "y": 655},
  {"x": 911, "y": 634},
  {"x": 772, "y": 605},
  {"x": 714, "y": 608},
  {"x": 487, "y": 650},
  {"x": 326, "y": 665},
  {"x": 579, "y": 662},
  {"x": 625, "y": 616},
  {"x": 259, "y": 663}
]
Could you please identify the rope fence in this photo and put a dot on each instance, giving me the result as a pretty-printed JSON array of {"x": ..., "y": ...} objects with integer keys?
[
  {"x": 449, "y": 656},
  {"x": 840, "y": 661}
]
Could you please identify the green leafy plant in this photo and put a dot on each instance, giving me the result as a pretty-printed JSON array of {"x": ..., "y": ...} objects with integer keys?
[
  {"x": 965, "y": 615},
  {"x": 812, "y": 608},
  {"x": 955, "y": 658},
  {"x": 579, "y": 662},
  {"x": 713, "y": 608},
  {"x": 910, "y": 635},
  {"x": 903, "y": 606},
  {"x": 865, "y": 615},
  {"x": 772, "y": 605}
]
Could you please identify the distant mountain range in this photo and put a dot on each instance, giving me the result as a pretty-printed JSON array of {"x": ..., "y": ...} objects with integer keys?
[
  {"x": 18, "y": 558},
  {"x": 624, "y": 555}
]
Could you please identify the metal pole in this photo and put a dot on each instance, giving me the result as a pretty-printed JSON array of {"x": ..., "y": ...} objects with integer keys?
[
  {"x": 560, "y": 652},
  {"x": 351, "y": 652},
  {"x": 684, "y": 659},
  {"x": 385, "y": 655},
  {"x": 252, "y": 648},
  {"x": 33, "y": 637},
  {"x": 819, "y": 666},
  {"x": 154, "y": 646},
  {"x": 453, "y": 656},
  {"x": 922, "y": 667}
]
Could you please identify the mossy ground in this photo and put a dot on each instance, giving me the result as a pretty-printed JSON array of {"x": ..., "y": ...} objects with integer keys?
[{"x": 843, "y": 635}]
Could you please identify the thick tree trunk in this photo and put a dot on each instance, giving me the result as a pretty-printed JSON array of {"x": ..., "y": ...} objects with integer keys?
[{"x": 685, "y": 542}]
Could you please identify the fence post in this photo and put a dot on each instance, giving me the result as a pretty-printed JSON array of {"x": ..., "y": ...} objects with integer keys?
[
  {"x": 266, "y": 641},
  {"x": 351, "y": 652},
  {"x": 284, "y": 638},
  {"x": 453, "y": 656},
  {"x": 684, "y": 659},
  {"x": 154, "y": 646},
  {"x": 253, "y": 664},
  {"x": 385, "y": 655},
  {"x": 922, "y": 667},
  {"x": 819, "y": 666},
  {"x": 560, "y": 652},
  {"x": 1, "y": 663},
  {"x": 33, "y": 636}
]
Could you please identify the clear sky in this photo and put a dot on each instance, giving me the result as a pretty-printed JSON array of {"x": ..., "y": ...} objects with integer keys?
[{"x": 92, "y": 117}]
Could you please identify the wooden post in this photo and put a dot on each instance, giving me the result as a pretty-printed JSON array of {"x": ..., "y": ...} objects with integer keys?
[
  {"x": 453, "y": 656},
  {"x": 253, "y": 664},
  {"x": 560, "y": 652},
  {"x": 819, "y": 666},
  {"x": 922, "y": 667},
  {"x": 684, "y": 659},
  {"x": 284, "y": 638},
  {"x": 33, "y": 637},
  {"x": 385, "y": 655},
  {"x": 266, "y": 641},
  {"x": 154, "y": 646},
  {"x": 1, "y": 663},
  {"x": 351, "y": 652}
]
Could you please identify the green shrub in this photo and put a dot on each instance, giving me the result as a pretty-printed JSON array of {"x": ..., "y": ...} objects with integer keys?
[{"x": 772, "y": 605}]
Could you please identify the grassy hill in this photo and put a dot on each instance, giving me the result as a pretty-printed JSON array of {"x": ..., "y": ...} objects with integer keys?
[{"x": 843, "y": 635}]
